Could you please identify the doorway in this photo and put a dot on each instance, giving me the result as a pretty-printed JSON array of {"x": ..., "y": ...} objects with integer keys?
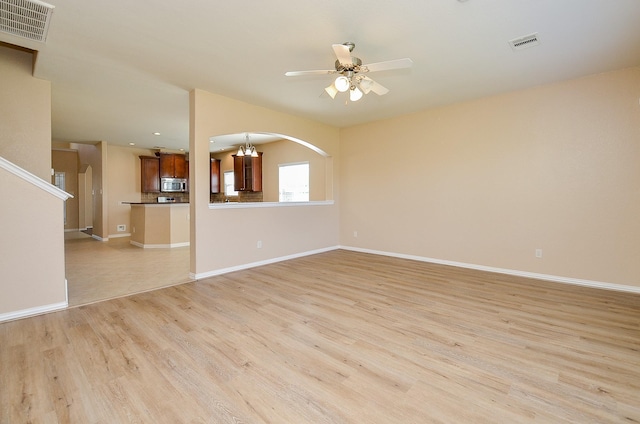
[{"x": 100, "y": 266}]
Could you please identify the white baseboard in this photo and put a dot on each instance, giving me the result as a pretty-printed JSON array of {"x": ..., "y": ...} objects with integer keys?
[
  {"x": 119, "y": 235},
  {"x": 216, "y": 272},
  {"x": 99, "y": 238},
  {"x": 159, "y": 246},
  {"x": 546, "y": 277},
  {"x": 39, "y": 310}
]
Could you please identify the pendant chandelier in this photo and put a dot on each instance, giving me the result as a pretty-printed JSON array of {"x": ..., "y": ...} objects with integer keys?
[{"x": 248, "y": 149}]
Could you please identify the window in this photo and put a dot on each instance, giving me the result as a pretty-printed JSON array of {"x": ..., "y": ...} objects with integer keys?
[
  {"x": 229, "y": 184},
  {"x": 293, "y": 182}
]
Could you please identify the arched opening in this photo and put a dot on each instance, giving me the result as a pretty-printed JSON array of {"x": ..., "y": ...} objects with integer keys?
[{"x": 274, "y": 152}]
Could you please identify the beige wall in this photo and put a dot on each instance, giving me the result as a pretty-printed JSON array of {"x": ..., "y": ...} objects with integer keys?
[
  {"x": 123, "y": 174},
  {"x": 487, "y": 182},
  {"x": 31, "y": 223},
  {"x": 67, "y": 161},
  {"x": 25, "y": 114},
  {"x": 216, "y": 242},
  {"x": 283, "y": 152},
  {"x": 85, "y": 197},
  {"x": 32, "y": 249}
]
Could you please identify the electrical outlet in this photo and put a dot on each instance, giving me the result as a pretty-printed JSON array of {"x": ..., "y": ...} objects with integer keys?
[
  {"x": 355, "y": 234},
  {"x": 122, "y": 228},
  {"x": 538, "y": 253},
  {"x": 259, "y": 244}
]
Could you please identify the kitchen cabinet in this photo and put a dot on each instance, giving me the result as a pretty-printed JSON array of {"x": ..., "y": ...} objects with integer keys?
[
  {"x": 215, "y": 176},
  {"x": 173, "y": 166},
  {"x": 150, "y": 174},
  {"x": 247, "y": 173}
]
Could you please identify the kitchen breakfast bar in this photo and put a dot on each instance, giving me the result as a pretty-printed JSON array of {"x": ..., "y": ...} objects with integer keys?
[{"x": 160, "y": 225}]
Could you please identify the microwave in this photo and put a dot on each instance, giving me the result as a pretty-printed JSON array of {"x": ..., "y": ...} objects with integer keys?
[{"x": 173, "y": 185}]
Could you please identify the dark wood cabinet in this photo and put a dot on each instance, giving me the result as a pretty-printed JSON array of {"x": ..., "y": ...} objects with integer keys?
[
  {"x": 216, "y": 185},
  {"x": 173, "y": 166},
  {"x": 150, "y": 173},
  {"x": 247, "y": 173}
]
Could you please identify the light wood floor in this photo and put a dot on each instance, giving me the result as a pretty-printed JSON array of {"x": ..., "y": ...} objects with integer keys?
[
  {"x": 339, "y": 337},
  {"x": 97, "y": 270}
]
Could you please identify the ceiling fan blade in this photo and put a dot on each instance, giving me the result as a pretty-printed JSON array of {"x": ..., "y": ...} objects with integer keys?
[
  {"x": 389, "y": 64},
  {"x": 367, "y": 85},
  {"x": 343, "y": 54},
  {"x": 317, "y": 72}
]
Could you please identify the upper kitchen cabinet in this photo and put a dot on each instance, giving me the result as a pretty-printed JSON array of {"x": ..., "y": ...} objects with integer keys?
[
  {"x": 150, "y": 172},
  {"x": 173, "y": 166},
  {"x": 247, "y": 173},
  {"x": 215, "y": 176}
]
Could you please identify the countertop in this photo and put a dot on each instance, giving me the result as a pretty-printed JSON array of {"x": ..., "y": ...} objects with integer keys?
[{"x": 157, "y": 203}]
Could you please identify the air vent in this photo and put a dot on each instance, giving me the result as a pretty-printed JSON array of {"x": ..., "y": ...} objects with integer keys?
[
  {"x": 525, "y": 42},
  {"x": 25, "y": 18}
]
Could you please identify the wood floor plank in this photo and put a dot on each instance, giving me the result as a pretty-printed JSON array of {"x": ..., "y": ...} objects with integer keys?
[{"x": 339, "y": 337}]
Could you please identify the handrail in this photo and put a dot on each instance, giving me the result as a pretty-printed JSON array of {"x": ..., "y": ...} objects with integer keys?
[{"x": 33, "y": 179}]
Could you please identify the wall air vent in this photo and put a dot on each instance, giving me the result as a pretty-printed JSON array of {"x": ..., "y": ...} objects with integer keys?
[
  {"x": 525, "y": 42},
  {"x": 25, "y": 18}
]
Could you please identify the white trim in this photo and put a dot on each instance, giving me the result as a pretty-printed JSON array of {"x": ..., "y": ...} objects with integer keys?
[
  {"x": 299, "y": 141},
  {"x": 36, "y": 181},
  {"x": 119, "y": 235},
  {"x": 259, "y": 263},
  {"x": 249, "y": 205},
  {"x": 39, "y": 310},
  {"x": 99, "y": 238},
  {"x": 545, "y": 277},
  {"x": 159, "y": 246}
]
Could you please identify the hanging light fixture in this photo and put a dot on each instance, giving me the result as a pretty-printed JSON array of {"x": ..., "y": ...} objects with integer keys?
[
  {"x": 351, "y": 83},
  {"x": 248, "y": 149},
  {"x": 332, "y": 91},
  {"x": 355, "y": 94},
  {"x": 342, "y": 83}
]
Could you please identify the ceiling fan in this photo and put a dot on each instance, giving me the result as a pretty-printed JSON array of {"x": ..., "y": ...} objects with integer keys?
[{"x": 352, "y": 72}]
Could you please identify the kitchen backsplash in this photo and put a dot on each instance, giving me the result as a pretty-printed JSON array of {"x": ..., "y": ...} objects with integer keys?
[
  {"x": 153, "y": 197},
  {"x": 243, "y": 196}
]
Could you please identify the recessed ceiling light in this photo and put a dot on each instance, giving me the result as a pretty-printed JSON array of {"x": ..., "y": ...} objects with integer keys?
[
  {"x": 156, "y": 133},
  {"x": 132, "y": 144}
]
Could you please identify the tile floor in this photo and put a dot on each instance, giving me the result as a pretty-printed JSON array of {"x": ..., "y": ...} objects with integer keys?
[{"x": 98, "y": 270}]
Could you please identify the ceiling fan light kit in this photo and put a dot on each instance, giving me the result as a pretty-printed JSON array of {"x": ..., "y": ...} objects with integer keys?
[
  {"x": 342, "y": 83},
  {"x": 351, "y": 73},
  {"x": 355, "y": 94}
]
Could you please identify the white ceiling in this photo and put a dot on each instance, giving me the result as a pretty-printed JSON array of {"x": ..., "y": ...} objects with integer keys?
[{"x": 122, "y": 69}]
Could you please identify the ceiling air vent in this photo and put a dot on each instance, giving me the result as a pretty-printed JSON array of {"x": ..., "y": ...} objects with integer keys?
[
  {"x": 525, "y": 42},
  {"x": 25, "y": 18}
]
